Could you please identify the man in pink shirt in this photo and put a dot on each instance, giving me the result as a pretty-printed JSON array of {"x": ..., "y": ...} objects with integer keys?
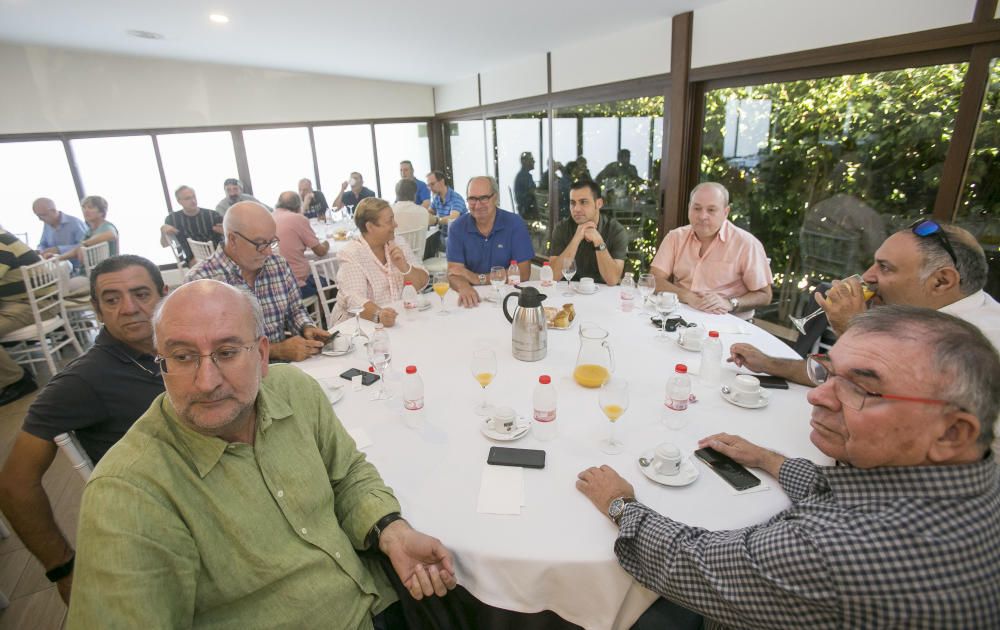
[
  {"x": 711, "y": 264},
  {"x": 294, "y": 236}
]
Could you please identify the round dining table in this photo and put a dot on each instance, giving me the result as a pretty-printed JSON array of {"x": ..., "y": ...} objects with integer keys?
[{"x": 557, "y": 553}]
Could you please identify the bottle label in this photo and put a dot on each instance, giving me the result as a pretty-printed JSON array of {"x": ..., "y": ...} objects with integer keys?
[
  {"x": 414, "y": 405},
  {"x": 545, "y": 415}
]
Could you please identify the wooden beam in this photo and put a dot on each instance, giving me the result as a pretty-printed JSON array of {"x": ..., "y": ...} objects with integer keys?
[{"x": 675, "y": 163}]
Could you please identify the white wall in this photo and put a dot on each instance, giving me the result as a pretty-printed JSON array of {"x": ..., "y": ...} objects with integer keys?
[
  {"x": 524, "y": 77},
  {"x": 50, "y": 89},
  {"x": 631, "y": 54},
  {"x": 458, "y": 95},
  {"x": 736, "y": 30}
]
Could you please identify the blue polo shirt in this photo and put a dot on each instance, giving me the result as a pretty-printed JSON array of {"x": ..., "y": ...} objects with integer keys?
[
  {"x": 509, "y": 240},
  {"x": 452, "y": 202},
  {"x": 423, "y": 191}
]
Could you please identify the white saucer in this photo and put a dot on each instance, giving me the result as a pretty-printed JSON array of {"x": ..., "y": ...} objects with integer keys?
[
  {"x": 523, "y": 427},
  {"x": 684, "y": 347},
  {"x": 576, "y": 287},
  {"x": 335, "y": 396},
  {"x": 426, "y": 305},
  {"x": 686, "y": 475},
  {"x": 338, "y": 353},
  {"x": 761, "y": 402}
]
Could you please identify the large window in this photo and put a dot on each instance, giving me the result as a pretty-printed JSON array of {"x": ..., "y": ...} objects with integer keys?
[
  {"x": 32, "y": 170},
  {"x": 202, "y": 161},
  {"x": 519, "y": 169},
  {"x": 123, "y": 171},
  {"x": 822, "y": 170},
  {"x": 468, "y": 152},
  {"x": 397, "y": 142},
  {"x": 340, "y": 151},
  {"x": 278, "y": 159}
]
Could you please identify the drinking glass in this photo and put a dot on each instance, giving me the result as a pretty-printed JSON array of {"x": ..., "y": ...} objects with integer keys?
[
  {"x": 800, "y": 322},
  {"x": 379, "y": 354},
  {"x": 356, "y": 311},
  {"x": 647, "y": 285},
  {"x": 498, "y": 278},
  {"x": 484, "y": 369},
  {"x": 613, "y": 399},
  {"x": 440, "y": 286},
  {"x": 568, "y": 271},
  {"x": 664, "y": 303}
]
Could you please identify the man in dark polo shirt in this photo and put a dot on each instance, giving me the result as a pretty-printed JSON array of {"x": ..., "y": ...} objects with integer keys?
[
  {"x": 99, "y": 395},
  {"x": 597, "y": 242},
  {"x": 352, "y": 197},
  {"x": 191, "y": 222}
]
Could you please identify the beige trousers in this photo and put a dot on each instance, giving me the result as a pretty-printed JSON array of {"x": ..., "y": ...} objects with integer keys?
[{"x": 13, "y": 315}]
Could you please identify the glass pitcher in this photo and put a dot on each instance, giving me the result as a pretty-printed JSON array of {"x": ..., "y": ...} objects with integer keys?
[{"x": 595, "y": 361}]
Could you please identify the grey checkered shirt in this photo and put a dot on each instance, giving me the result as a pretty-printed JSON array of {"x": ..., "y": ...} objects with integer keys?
[{"x": 908, "y": 547}]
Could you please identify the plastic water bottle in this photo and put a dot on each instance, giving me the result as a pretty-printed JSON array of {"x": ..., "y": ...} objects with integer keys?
[
  {"x": 678, "y": 389},
  {"x": 513, "y": 273},
  {"x": 544, "y": 404},
  {"x": 546, "y": 275},
  {"x": 413, "y": 398},
  {"x": 410, "y": 299},
  {"x": 711, "y": 358},
  {"x": 627, "y": 293}
]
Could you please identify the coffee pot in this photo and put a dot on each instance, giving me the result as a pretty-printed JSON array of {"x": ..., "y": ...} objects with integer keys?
[{"x": 528, "y": 326}]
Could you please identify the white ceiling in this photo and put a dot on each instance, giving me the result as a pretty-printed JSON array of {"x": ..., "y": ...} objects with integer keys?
[{"x": 433, "y": 42}]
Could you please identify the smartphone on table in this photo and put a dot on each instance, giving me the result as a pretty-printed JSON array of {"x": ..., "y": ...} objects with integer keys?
[
  {"x": 523, "y": 457},
  {"x": 771, "y": 382},
  {"x": 367, "y": 378},
  {"x": 726, "y": 467}
]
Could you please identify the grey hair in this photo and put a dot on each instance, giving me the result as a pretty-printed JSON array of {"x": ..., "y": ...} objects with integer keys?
[
  {"x": 406, "y": 190},
  {"x": 494, "y": 186},
  {"x": 249, "y": 299},
  {"x": 231, "y": 222},
  {"x": 967, "y": 362},
  {"x": 973, "y": 270},
  {"x": 716, "y": 186}
]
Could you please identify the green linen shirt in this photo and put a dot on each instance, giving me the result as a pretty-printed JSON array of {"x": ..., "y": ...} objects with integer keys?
[
  {"x": 178, "y": 529},
  {"x": 611, "y": 231}
]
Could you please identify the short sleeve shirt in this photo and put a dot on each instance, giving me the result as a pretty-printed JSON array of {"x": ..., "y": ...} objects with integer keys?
[
  {"x": 99, "y": 395},
  {"x": 508, "y": 240},
  {"x": 350, "y": 199},
  {"x": 423, "y": 191},
  {"x": 611, "y": 231},
  {"x": 294, "y": 236},
  {"x": 197, "y": 227},
  {"x": 107, "y": 226},
  {"x": 453, "y": 202},
  {"x": 318, "y": 207}
]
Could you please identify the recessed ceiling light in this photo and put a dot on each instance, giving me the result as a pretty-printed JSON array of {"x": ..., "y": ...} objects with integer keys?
[
  {"x": 144, "y": 34},
  {"x": 218, "y": 18}
]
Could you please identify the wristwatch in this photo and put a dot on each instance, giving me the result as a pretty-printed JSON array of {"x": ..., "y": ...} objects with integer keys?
[
  {"x": 617, "y": 508},
  {"x": 735, "y": 303},
  {"x": 482, "y": 278},
  {"x": 377, "y": 317},
  {"x": 376, "y": 531},
  {"x": 602, "y": 247}
]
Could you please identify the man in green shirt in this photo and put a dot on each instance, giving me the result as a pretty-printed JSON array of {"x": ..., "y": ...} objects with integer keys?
[
  {"x": 238, "y": 499},
  {"x": 597, "y": 242}
]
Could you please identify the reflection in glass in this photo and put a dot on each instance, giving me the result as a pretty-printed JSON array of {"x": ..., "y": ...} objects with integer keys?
[
  {"x": 31, "y": 170},
  {"x": 468, "y": 153},
  {"x": 397, "y": 142},
  {"x": 340, "y": 151},
  {"x": 278, "y": 159},
  {"x": 202, "y": 161}
]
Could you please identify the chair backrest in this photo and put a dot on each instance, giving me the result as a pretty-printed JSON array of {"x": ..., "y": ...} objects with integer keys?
[
  {"x": 78, "y": 457},
  {"x": 324, "y": 271},
  {"x": 45, "y": 291},
  {"x": 95, "y": 254},
  {"x": 201, "y": 249},
  {"x": 415, "y": 240}
]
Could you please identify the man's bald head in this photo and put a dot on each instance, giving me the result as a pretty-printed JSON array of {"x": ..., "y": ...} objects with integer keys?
[
  {"x": 201, "y": 295},
  {"x": 247, "y": 216},
  {"x": 45, "y": 209},
  {"x": 289, "y": 200}
]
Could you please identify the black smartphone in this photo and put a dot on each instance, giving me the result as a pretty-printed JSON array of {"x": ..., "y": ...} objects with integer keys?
[
  {"x": 724, "y": 466},
  {"x": 772, "y": 382},
  {"x": 367, "y": 378},
  {"x": 523, "y": 457},
  {"x": 673, "y": 323},
  {"x": 329, "y": 342}
]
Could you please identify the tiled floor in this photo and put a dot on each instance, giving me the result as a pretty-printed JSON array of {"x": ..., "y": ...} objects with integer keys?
[{"x": 34, "y": 602}]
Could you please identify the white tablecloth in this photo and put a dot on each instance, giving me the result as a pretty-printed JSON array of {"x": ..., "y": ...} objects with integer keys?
[{"x": 557, "y": 554}]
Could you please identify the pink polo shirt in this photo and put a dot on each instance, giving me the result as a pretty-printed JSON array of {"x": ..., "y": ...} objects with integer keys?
[
  {"x": 733, "y": 265},
  {"x": 294, "y": 236}
]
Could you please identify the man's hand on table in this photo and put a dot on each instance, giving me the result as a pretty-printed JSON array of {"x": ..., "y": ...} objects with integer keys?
[
  {"x": 710, "y": 303},
  {"x": 299, "y": 348},
  {"x": 745, "y": 355},
  {"x": 603, "y": 485},
  {"x": 744, "y": 452},
  {"x": 468, "y": 296},
  {"x": 422, "y": 563},
  {"x": 844, "y": 300}
]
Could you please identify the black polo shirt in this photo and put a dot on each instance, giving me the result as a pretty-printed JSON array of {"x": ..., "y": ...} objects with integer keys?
[
  {"x": 611, "y": 231},
  {"x": 99, "y": 395}
]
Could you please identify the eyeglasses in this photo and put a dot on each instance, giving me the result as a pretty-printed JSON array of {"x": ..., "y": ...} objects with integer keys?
[
  {"x": 852, "y": 395},
  {"x": 260, "y": 246},
  {"x": 482, "y": 199},
  {"x": 182, "y": 363},
  {"x": 926, "y": 227}
]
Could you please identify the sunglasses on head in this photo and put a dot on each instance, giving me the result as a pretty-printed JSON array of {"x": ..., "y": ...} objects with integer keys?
[{"x": 927, "y": 227}]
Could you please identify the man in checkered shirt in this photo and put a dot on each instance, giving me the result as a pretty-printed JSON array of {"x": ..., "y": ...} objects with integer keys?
[
  {"x": 246, "y": 261},
  {"x": 905, "y": 534}
]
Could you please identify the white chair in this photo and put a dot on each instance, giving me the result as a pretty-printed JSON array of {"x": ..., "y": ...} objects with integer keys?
[
  {"x": 201, "y": 250},
  {"x": 326, "y": 295},
  {"x": 415, "y": 239},
  {"x": 77, "y": 457},
  {"x": 173, "y": 278},
  {"x": 51, "y": 331},
  {"x": 95, "y": 254}
]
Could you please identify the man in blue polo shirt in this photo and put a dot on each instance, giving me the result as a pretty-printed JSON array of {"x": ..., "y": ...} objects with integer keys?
[
  {"x": 485, "y": 237},
  {"x": 423, "y": 192}
]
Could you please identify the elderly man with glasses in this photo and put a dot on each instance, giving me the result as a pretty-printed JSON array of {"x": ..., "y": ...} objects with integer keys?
[
  {"x": 903, "y": 535},
  {"x": 238, "y": 499},
  {"x": 246, "y": 261}
]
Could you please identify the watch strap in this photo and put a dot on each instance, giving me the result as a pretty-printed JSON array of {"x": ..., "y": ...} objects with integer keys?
[
  {"x": 376, "y": 531},
  {"x": 57, "y": 573},
  {"x": 602, "y": 247},
  {"x": 617, "y": 518}
]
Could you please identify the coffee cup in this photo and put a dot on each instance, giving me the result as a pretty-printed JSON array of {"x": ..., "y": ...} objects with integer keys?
[
  {"x": 746, "y": 389},
  {"x": 341, "y": 343},
  {"x": 666, "y": 301},
  {"x": 667, "y": 459},
  {"x": 692, "y": 337},
  {"x": 587, "y": 285},
  {"x": 503, "y": 420}
]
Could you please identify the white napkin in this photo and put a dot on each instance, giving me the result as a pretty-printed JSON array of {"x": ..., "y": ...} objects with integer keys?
[
  {"x": 361, "y": 437},
  {"x": 501, "y": 490}
]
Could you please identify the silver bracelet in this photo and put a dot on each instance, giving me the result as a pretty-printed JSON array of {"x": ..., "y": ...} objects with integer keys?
[{"x": 408, "y": 269}]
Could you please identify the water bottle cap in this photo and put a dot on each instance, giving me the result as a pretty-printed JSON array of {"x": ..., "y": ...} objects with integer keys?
[
  {"x": 680, "y": 368},
  {"x": 411, "y": 369},
  {"x": 711, "y": 333},
  {"x": 371, "y": 368},
  {"x": 407, "y": 283},
  {"x": 513, "y": 262},
  {"x": 545, "y": 264},
  {"x": 544, "y": 379}
]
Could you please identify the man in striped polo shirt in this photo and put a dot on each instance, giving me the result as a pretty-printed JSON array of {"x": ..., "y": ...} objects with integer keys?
[
  {"x": 191, "y": 222},
  {"x": 15, "y": 312}
]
